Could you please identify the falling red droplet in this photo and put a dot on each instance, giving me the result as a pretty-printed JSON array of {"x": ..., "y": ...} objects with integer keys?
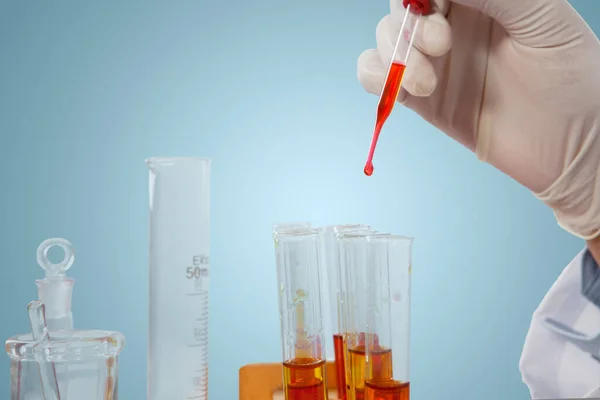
[{"x": 369, "y": 169}]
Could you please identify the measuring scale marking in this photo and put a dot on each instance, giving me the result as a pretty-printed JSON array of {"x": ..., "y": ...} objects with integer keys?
[{"x": 199, "y": 275}]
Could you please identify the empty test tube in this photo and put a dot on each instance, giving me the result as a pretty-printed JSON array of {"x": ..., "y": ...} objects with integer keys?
[
  {"x": 387, "y": 343},
  {"x": 299, "y": 281}
]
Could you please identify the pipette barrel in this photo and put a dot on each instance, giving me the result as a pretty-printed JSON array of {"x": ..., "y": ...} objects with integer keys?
[
  {"x": 387, "y": 342},
  {"x": 406, "y": 36},
  {"x": 395, "y": 74},
  {"x": 299, "y": 278}
]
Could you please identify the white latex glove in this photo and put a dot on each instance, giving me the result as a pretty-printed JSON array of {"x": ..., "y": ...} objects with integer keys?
[{"x": 517, "y": 82}]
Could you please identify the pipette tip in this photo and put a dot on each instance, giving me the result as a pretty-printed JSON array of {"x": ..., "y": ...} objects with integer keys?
[{"x": 369, "y": 169}]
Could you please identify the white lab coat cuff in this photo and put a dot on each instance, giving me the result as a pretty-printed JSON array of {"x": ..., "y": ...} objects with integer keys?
[{"x": 551, "y": 366}]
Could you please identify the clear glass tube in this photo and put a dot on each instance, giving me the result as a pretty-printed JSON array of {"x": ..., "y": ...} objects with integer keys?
[
  {"x": 299, "y": 280},
  {"x": 393, "y": 80},
  {"x": 283, "y": 228},
  {"x": 387, "y": 373},
  {"x": 406, "y": 36},
  {"x": 353, "y": 253},
  {"x": 332, "y": 298},
  {"x": 179, "y": 278},
  {"x": 287, "y": 226},
  {"x": 330, "y": 257}
]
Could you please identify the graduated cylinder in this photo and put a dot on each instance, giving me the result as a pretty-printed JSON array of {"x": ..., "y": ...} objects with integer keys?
[
  {"x": 387, "y": 340},
  {"x": 179, "y": 278},
  {"x": 299, "y": 284}
]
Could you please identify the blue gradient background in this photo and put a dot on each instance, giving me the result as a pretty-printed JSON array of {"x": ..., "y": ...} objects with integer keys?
[{"x": 268, "y": 89}]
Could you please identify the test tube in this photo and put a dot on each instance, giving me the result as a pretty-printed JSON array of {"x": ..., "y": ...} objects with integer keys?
[
  {"x": 387, "y": 372},
  {"x": 179, "y": 268},
  {"x": 332, "y": 299},
  {"x": 299, "y": 281},
  {"x": 287, "y": 226},
  {"x": 353, "y": 272}
]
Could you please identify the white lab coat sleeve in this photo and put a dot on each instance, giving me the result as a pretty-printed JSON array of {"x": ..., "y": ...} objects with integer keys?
[{"x": 552, "y": 367}]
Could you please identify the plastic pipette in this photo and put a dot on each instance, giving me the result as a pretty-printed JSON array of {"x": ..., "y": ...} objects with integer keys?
[
  {"x": 393, "y": 81},
  {"x": 56, "y": 289}
]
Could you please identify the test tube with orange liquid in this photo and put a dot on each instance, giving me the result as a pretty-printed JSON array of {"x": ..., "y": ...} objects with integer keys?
[
  {"x": 353, "y": 257},
  {"x": 387, "y": 340},
  {"x": 298, "y": 262},
  {"x": 333, "y": 298},
  {"x": 393, "y": 81}
]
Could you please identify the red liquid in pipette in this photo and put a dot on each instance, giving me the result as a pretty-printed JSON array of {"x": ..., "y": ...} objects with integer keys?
[{"x": 384, "y": 109}]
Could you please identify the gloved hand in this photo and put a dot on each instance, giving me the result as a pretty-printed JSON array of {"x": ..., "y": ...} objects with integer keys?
[{"x": 517, "y": 82}]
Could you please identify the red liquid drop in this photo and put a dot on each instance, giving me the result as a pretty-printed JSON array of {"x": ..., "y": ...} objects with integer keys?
[{"x": 387, "y": 101}]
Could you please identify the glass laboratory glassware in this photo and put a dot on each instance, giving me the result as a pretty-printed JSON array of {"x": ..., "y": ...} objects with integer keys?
[
  {"x": 85, "y": 364},
  {"x": 332, "y": 301},
  {"x": 56, "y": 289},
  {"x": 388, "y": 318},
  {"x": 179, "y": 277},
  {"x": 299, "y": 281},
  {"x": 353, "y": 253},
  {"x": 284, "y": 227}
]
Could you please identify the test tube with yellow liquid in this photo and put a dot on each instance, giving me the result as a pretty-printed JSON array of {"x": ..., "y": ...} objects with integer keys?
[
  {"x": 333, "y": 299},
  {"x": 387, "y": 343},
  {"x": 297, "y": 257},
  {"x": 353, "y": 270}
]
